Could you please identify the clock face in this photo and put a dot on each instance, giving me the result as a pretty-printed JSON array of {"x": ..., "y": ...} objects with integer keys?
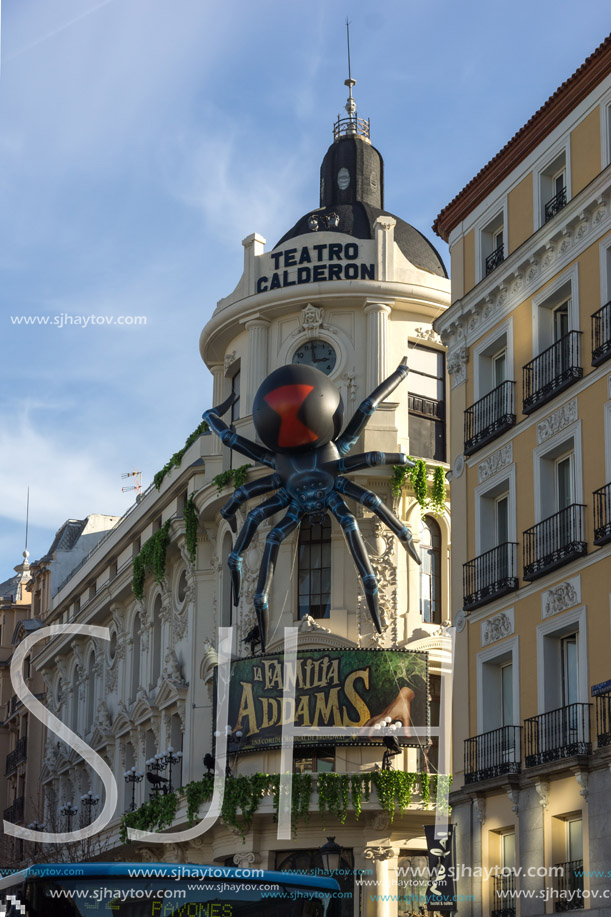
[{"x": 319, "y": 354}]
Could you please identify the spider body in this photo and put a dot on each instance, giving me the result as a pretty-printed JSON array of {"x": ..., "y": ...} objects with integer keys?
[{"x": 298, "y": 415}]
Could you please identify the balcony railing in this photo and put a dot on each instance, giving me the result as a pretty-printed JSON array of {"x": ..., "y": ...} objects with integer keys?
[
  {"x": 503, "y": 895},
  {"x": 14, "y": 813},
  {"x": 555, "y": 205},
  {"x": 18, "y": 755},
  {"x": 570, "y": 881},
  {"x": 603, "y": 719},
  {"x": 489, "y": 417},
  {"x": 602, "y": 514},
  {"x": 493, "y": 754},
  {"x": 552, "y": 371},
  {"x": 490, "y": 575},
  {"x": 558, "y": 734},
  {"x": 494, "y": 259},
  {"x": 601, "y": 335},
  {"x": 554, "y": 542}
]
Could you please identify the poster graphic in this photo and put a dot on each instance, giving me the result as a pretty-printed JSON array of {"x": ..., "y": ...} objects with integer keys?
[{"x": 356, "y": 688}]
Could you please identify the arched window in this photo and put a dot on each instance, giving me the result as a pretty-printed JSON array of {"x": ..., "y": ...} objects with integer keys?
[
  {"x": 156, "y": 648},
  {"x": 430, "y": 571},
  {"x": 91, "y": 683},
  {"x": 314, "y": 575},
  {"x": 136, "y": 652},
  {"x": 227, "y": 596}
]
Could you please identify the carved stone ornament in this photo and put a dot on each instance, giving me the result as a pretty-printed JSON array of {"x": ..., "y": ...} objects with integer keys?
[
  {"x": 582, "y": 778},
  {"x": 103, "y": 715},
  {"x": 171, "y": 669},
  {"x": 350, "y": 378},
  {"x": 427, "y": 334},
  {"x": 460, "y": 621},
  {"x": 311, "y": 318},
  {"x": 457, "y": 365},
  {"x": 479, "y": 804},
  {"x": 459, "y": 466},
  {"x": 244, "y": 860},
  {"x": 542, "y": 788},
  {"x": 378, "y": 853},
  {"x": 554, "y": 423},
  {"x": 495, "y": 462},
  {"x": 309, "y": 624},
  {"x": 497, "y": 627},
  {"x": 230, "y": 359},
  {"x": 514, "y": 799},
  {"x": 559, "y": 598}
]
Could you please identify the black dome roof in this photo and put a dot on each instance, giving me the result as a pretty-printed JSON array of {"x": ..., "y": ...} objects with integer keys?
[{"x": 352, "y": 186}]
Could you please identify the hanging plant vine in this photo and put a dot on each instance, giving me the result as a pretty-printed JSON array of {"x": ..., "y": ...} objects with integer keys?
[
  {"x": 176, "y": 459},
  {"x": 431, "y": 499},
  {"x": 152, "y": 555},
  {"x": 191, "y": 524},
  {"x": 235, "y": 475},
  {"x": 243, "y": 795}
]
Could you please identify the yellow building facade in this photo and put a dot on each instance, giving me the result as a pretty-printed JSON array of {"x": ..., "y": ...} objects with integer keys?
[{"x": 529, "y": 347}]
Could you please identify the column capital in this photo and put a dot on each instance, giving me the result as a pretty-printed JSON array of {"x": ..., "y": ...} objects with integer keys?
[
  {"x": 256, "y": 321},
  {"x": 379, "y": 854},
  {"x": 374, "y": 305}
]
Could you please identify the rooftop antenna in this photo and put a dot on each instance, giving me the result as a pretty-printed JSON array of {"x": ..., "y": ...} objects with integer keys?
[{"x": 350, "y": 104}]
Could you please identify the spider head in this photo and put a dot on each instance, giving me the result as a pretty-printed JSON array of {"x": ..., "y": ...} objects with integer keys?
[{"x": 297, "y": 408}]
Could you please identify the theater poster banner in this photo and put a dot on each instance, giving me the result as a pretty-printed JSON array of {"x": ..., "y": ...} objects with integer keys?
[
  {"x": 355, "y": 688},
  {"x": 440, "y": 893}
]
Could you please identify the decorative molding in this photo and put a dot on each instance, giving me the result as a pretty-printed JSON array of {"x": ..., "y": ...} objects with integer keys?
[
  {"x": 514, "y": 799},
  {"x": 479, "y": 803},
  {"x": 457, "y": 365},
  {"x": 230, "y": 359},
  {"x": 557, "y": 421},
  {"x": 311, "y": 318},
  {"x": 582, "y": 778},
  {"x": 459, "y": 466},
  {"x": 495, "y": 462},
  {"x": 609, "y": 385},
  {"x": 427, "y": 334},
  {"x": 559, "y": 598},
  {"x": 460, "y": 621},
  {"x": 378, "y": 853},
  {"x": 501, "y": 625}
]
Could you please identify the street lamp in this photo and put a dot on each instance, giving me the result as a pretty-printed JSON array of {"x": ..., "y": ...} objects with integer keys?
[
  {"x": 331, "y": 855},
  {"x": 170, "y": 759},
  {"x": 133, "y": 776},
  {"x": 89, "y": 801},
  {"x": 68, "y": 811},
  {"x": 36, "y": 826}
]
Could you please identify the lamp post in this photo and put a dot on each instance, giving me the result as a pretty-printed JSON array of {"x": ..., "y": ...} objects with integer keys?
[
  {"x": 68, "y": 811},
  {"x": 89, "y": 801},
  {"x": 36, "y": 826},
  {"x": 234, "y": 740},
  {"x": 171, "y": 758},
  {"x": 133, "y": 776},
  {"x": 331, "y": 855},
  {"x": 159, "y": 783}
]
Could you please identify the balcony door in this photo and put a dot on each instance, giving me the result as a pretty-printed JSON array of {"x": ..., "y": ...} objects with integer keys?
[{"x": 569, "y": 668}]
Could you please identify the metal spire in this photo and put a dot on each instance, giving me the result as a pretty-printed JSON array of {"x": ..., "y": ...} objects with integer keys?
[{"x": 350, "y": 104}]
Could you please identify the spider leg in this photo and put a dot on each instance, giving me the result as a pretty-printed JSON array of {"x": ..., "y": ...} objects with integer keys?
[
  {"x": 253, "y": 520},
  {"x": 359, "y": 553},
  {"x": 270, "y": 554},
  {"x": 373, "y": 502},
  {"x": 245, "y": 492},
  {"x": 231, "y": 439},
  {"x": 369, "y": 459},
  {"x": 359, "y": 419}
]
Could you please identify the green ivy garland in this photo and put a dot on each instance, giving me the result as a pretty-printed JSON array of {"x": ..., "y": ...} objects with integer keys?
[
  {"x": 152, "y": 554},
  {"x": 432, "y": 499},
  {"x": 191, "y": 524},
  {"x": 235, "y": 475},
  {"x": 178, "y": 456},
  {"x": 243, "y": 794}
]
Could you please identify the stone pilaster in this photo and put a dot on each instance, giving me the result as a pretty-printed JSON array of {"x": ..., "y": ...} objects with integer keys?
[
  {"x": 381, "y": 857},
  {"x": 218, "y": 391},
  {"x": 258, "y": 334},
  {"x": 254, "y": 245},
  {"x": 377, "y": 343}
]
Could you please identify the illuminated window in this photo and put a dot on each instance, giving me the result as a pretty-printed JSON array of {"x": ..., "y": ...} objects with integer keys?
[{"x": 430, "y": 571}]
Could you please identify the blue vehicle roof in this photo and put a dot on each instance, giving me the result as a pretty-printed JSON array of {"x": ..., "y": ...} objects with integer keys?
[{"x": 174, "y": 871}]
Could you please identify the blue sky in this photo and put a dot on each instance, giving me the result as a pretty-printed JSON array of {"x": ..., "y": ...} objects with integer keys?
[{"x": 140, "y": 141}]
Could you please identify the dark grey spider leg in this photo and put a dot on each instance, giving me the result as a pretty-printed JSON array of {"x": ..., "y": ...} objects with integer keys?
[
  {"x": 246, "y": 492},
  {"x": 359, "y": 419},
  {"x": 268, "y": 563},
  {"x": 359, "y": 553},
  {"x": 368, "y": 460},
  {"x": 253, "y": 521},
  {"x": 231, "y": 439},
  {"x": 373, "y": 502}
]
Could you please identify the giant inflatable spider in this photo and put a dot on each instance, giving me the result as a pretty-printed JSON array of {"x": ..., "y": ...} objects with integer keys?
[{"x": 298, "y": 415}]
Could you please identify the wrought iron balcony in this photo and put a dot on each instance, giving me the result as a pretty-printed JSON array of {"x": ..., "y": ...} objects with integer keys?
[
  {"x": 603, "y": 719},
  {"x": 552, "y": 371},
  {"x": 490, "y": 575},
  {"x": 503, "y": 895},
  {"x": 555, "y": 205},
  {"x": 601, "y": 335},
  {"x": 602, "y": 514},
  {"x": 493, "y": 754},
  {"x": 15, "y": 812},
  {"x": 489, "y": 417},
  {"x": 570, "y": 881},
  {"x": 558, "y": 734},
  {"x": 18, "y": 755},
  {"x": 554, "y": 542},
  {"x": 495, "y": 258}
]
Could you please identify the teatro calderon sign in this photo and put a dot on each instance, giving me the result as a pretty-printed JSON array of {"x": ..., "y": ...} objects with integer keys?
[{"x": 314, "y": 264}]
